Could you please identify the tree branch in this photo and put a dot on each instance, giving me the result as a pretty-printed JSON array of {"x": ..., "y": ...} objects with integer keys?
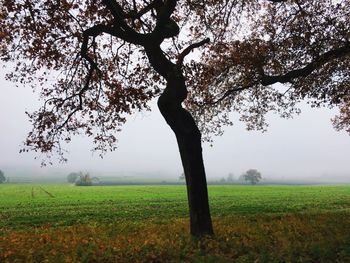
[
  {"x": 187, "y": 50},
  {"x": 165, "y": 26},
  {"x": 137, "y": 15},
  {"x": 228, "y": 93},
  {"x": 308, "y": 69},
  {"x": 166, "y": 11},
  {"x": 92, "y": 32},
  {"x": 117, "y": 13},
  {"x": 224, "y": 96},
  {"x": 80, "y": 96},
  {"x": 122, "y": 29}
]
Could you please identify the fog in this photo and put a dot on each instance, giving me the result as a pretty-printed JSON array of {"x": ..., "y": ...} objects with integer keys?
[{"x": 306, "y": 147}]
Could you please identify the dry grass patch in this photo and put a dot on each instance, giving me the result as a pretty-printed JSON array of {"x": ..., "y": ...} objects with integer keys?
[{"x": 323, "y": 237}]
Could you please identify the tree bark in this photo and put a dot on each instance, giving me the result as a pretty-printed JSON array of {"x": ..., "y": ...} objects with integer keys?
[{"x": 189, "y": 141}]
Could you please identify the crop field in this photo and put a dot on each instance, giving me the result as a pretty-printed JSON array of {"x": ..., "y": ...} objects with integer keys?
[{"x": 64, "y": 223}]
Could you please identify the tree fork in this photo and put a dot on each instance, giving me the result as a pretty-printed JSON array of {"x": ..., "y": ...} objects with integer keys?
[{"x": 189, "y": 141}]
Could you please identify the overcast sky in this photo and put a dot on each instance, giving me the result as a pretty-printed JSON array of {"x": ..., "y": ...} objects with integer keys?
[{"x": 306, "y": 146}]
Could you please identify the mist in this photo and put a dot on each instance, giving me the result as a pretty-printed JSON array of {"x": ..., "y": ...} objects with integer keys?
[{"x": 305, "y": 148}]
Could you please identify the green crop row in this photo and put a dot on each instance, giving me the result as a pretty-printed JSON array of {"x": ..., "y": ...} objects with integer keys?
[{"x": 25, "y": 205}]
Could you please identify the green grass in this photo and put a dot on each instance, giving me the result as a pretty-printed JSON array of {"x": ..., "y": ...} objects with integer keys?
[
  {"x": 25, "y": 205},
  {"x": 63, "y": 223}
]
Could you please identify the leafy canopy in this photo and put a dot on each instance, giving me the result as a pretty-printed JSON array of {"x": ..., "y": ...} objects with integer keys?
[{"x": 87, "y": 59}]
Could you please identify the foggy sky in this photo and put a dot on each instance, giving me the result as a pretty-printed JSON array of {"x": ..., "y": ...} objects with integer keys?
[{"x": 304, "y": 147}]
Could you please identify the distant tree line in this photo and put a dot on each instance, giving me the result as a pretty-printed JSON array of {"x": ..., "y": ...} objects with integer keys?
[{"x": 2, "y": 177}]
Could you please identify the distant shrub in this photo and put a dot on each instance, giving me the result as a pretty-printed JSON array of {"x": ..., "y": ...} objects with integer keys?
[
  {"x": 2, "y": 177},
  {"x": 84, "y": 180}
]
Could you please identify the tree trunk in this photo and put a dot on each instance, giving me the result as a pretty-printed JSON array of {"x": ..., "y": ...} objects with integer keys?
[{"x": 189, "y": 141}]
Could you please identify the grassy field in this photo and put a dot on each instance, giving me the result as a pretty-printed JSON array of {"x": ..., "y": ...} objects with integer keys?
[{"x": 63, "y": 223}]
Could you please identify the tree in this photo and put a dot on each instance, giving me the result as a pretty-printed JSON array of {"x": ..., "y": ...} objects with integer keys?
[
  {"x": 252, "y": 176},
  {"x": 2, "y": 177},
  {"x": 72, "y": 177},
  {"x": 111, "y": 57}
]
